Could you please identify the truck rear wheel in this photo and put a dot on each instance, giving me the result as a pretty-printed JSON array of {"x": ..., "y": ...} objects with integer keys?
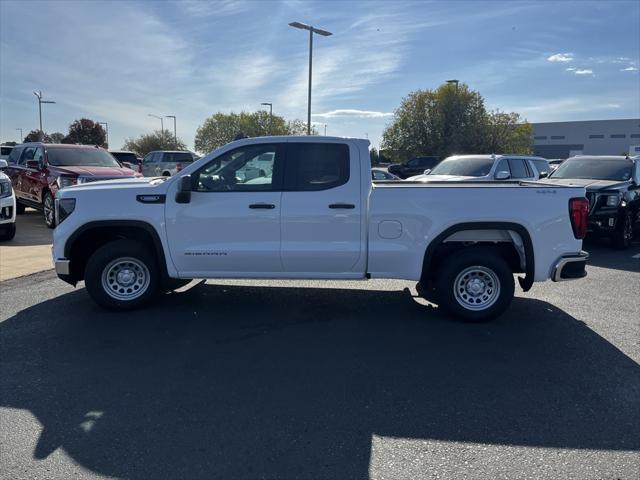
[
  {"x": 475, "y": 285},
  {"x": 121, "y": 275}
]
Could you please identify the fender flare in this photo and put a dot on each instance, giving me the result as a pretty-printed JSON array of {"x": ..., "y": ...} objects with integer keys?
[{"x": 525, "y": 282}]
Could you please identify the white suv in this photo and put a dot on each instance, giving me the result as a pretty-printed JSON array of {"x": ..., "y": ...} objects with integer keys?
[
  {"x": 486, "y": 168},
  {"x": 7, "y": 206}
]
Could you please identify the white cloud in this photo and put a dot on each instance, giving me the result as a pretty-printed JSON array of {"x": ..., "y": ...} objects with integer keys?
[
  {"x": 614, "y": 105},
  {"x": 561, "y": 57},
  {"x": 353, "y": 113},
  {"x": 570, "y": 69},
  {"x": 585, "y": 71},
  {"x": 630, "y": 69}
]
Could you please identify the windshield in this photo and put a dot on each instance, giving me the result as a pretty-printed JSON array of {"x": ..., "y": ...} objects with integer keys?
[
  {"x": 595, "y": 168},
  {"x": 80, "y": 157},
  {"x": 467, "y": 166}
]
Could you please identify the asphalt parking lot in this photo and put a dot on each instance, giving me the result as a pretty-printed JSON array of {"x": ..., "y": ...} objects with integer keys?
[{"x": 248, "y": 379}]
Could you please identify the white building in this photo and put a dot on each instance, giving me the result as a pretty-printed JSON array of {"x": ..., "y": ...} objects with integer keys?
[{"x": 591, "y": 137}]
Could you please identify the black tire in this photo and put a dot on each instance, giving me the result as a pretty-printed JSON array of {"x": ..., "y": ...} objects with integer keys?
[
  {"x": 7, "y": 232},
  {"x": 484, "y": 265},
  {"x": 118, "y": 254},
  {"x": 20, "y": 208},
  {"x": 623, "y": 237},
  {"x": 48, "y": 210}
]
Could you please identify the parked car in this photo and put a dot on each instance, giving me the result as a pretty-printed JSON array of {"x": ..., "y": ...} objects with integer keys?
[
  {"x": 613, "y": 190},
  {"x": 318, "y": 216},
  {"x": 39, "y": 170},
  {"x": 415, "y": 166},
  {"x": 127, "y": 159},
  {"x": 380, "y": 174},
  {"x": 555, "y": 163},
  {"x": 5, "y": 151},
  {"x": 7, "y": 205},
  {"x": 165, "y": 163},
  {"x": 486, "y": 168}
]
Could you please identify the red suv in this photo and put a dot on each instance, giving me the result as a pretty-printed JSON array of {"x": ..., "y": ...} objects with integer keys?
[{"x": 39, "y": 170}]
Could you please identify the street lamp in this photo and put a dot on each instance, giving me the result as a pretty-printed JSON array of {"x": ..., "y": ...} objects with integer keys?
[
  {"x": 21, "y": 137},
  {"x": 38, "y": 94},
  {"x": 270, "y": 114},
  {"x": 106, "y": 125},
  {"x": 325, "y": 129},
  {"x": 159, "y": 118},
  {"x": 175, "y": 135},
  {"x": 453, "y": 82},
  {"x": 312, "y": 30}
]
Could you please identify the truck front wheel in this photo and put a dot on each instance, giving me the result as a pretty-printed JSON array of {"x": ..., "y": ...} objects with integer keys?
[
  {"x": 121, "y": 275},
  {"x": 475, "y": 285}
]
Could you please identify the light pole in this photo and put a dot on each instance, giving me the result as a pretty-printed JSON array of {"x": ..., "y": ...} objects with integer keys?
[
  {"x": 106, "y": 125},
  {"x": 175, "y": 135},
  {"x": 312, "y": 30},
  {"x": 21, "y": 137},
  {"x": 325, "y": 129},
  {"x": 270, "y": 114},
  {"x": 38, "y": 94},
  {"x": 161, "y": 121}
]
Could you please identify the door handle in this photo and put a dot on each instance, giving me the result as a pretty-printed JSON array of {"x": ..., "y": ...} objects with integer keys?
[
  {"x": 267, "y": 206},
  {"x": 342, "y": 205}
]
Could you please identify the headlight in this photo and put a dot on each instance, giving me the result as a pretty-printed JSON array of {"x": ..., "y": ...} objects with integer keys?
[
  {"x": 64, "y": 208},
  {"x": 613, "y": 200},
  {"x": 66, "y": 181},
  {"x": 5, "y": 188}
]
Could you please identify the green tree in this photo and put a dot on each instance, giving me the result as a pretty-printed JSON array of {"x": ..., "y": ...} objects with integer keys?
[
  {"x": 158, "y": 140},
  {"x": 375, "y": 157},
  {"x": 57, "y": 137},
  {"x": 507, "y": 133},
  {"x": 37, "y": 136},
  {"x": 451, "y": 120},
  {"x": 222, "y": 128},
  {"x": 85, "y": 132}
]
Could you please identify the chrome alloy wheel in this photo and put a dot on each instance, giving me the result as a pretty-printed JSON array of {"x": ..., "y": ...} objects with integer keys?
[
  {"x": 476, "y": 288},
  {"x": 125, "y": 278},
  {"x": 49, "y": 210}
]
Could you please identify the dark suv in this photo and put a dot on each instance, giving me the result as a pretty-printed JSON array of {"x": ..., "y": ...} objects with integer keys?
[
  {"x": 415, "y": 166},
  {"x": 613, "y": 191},
  {"x": 39, "y": 170}
]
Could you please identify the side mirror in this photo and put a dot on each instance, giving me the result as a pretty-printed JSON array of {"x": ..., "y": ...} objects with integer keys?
[
  {"x": 427, "y": 171},
  {"x": 503, "y": 175},
  {"x": 183, "y": 195},
  {"x": 3, "y": 163},
  {"x": 544, "y": 174},
  {"x": 34, "y": 164}
]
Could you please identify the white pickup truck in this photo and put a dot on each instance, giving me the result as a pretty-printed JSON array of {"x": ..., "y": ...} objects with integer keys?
[{"x": 314, "y": 213}]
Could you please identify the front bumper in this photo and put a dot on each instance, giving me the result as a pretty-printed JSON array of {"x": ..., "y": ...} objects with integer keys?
[
  {"x": 603, "y": 222},
  {"x": 570, "y": 267},
  {"x": 63, "y": 266}
]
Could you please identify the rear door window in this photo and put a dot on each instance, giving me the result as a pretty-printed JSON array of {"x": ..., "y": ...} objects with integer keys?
[
  {"x": 177, "y": 157},
  {"x": 316, "y": 166},
  {"x": 518, "y": 168}
]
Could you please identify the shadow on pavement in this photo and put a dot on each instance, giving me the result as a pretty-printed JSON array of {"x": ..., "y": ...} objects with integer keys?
[
  {"x": 602, "y": 254},
  {"x": 30, "y": 230},
  {"x": 244, "y": 382}
]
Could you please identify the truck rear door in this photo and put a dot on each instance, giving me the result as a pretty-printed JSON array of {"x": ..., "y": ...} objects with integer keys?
[{"x": 321, "y": 218}]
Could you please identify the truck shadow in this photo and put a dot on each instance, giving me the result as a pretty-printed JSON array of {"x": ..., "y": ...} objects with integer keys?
[{"x": 244, "y": 382}]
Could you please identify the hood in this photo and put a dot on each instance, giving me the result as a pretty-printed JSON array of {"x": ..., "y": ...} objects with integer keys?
[
  {"x": 87, "y": 171},
  {"x": 444, "y": 178},
  {"x": 125, "y": 182},
  {"x": 591, "y": 184}
]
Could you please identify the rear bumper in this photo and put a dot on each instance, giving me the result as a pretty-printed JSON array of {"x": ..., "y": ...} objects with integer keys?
[{"x": 570, "y": 267}]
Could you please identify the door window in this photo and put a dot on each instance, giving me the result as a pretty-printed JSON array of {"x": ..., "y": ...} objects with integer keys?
[
  {"x": 39, "y": 155},
  {"x": 413, "y": 163},
  {"x": 253, "y": 168},
  {"x": 503, "y": 166},
  {"x": 316, "y": 166},
  {"x": 150, "y": 157},
  {"x": 28, "y": 154},
  {"x": 518, "y": 168}
]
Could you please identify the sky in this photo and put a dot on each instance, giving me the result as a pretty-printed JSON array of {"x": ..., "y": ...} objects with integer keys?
[{"x": 118, "y": 61}]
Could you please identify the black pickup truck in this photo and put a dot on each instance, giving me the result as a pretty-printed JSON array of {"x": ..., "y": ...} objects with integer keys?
[
  {"x": 415, "y": 166},
  {"x": 613, "y": 191}
]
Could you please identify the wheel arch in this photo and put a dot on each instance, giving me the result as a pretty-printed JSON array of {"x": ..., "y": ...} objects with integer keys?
[
  {"x": 88, "y": 238},
  {"x": 430, "y": 257}
]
